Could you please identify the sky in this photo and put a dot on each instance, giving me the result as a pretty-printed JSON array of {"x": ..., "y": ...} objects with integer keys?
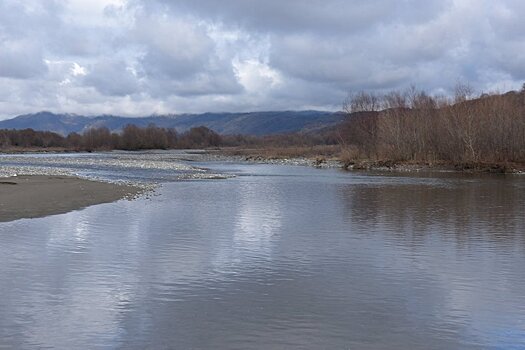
[{"x": 143, "y": 57}]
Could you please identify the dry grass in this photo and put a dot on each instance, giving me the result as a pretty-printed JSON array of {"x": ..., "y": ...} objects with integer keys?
[{"x": 273, "y": 152}]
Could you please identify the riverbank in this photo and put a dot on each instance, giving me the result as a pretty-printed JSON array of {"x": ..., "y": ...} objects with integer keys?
[
  {"x": 315, "y": 156},
  {"x": 414, "y": 166},
  {"x": 326, "y": 157},
  {"x": 39, "y": 195}
]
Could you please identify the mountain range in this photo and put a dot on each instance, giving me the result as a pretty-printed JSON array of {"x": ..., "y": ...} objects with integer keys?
[{"x": 254, "y": 123}]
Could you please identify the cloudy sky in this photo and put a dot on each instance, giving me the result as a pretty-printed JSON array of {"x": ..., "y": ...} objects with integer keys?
[{"x": 138, "y": 57}]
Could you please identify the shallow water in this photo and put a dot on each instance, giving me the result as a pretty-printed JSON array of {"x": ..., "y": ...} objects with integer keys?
[
  {"x": 116, "y": 166},
  {"x": 278, "y": 257}
]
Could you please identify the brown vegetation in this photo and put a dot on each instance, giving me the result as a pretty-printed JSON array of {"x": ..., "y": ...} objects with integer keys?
[
  {"x": 320, "y": 146},
  {"x": 400, "y": 127},
  {"x": 131, "y": 138},
  {"x": 412, "y": 126},
  {"x": 152, "y": 137},
  {"x": 321, "y": 152},
  {"x": 29, "y": 138}
]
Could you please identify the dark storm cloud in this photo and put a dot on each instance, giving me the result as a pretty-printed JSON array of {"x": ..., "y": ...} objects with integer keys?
[
  {"x": 21, "y": 60},
  {"x": 334, "y": 17},
  {"x": 112, "y": 78},
  {"x": 138, "y": 57}
]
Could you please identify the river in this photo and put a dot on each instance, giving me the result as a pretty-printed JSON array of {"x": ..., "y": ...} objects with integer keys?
[{"x": 276, "y": 257}]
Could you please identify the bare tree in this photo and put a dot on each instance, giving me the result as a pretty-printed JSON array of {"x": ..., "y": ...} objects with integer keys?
[{"x": 362, "y": 102}]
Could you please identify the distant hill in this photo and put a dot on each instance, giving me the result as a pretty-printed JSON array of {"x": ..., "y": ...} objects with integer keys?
[{"x": 255, "y": 123}]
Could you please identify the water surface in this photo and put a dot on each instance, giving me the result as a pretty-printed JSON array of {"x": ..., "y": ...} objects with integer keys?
[{"x": 275, "y": 258}]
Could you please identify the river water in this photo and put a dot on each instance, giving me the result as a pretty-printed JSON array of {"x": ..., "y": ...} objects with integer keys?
[{"x": 277, "y": 257}]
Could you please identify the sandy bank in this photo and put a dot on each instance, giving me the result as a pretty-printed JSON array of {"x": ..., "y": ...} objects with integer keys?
[{"x": 38, "y": 196}]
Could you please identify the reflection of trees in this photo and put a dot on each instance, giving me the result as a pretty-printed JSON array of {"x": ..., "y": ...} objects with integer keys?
[{"x": 468, "y": 208}]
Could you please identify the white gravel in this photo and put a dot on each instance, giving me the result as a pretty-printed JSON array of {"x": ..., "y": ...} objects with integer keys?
[{"x": 89, "y": 165}]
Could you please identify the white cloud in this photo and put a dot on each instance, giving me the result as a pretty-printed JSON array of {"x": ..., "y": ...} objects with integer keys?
[
  {"x": 137, "y": 57},
  {"x": 257, "y": 77},
  {"x": 77, "y": 70}
]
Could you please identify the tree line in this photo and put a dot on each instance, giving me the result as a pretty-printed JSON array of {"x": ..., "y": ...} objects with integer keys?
[
  {"x": 412, "y": 125},
  {"x": 398, "y": 126},
  {"x": 152, "y": 137},
  {"x": 98, "y": 139}
]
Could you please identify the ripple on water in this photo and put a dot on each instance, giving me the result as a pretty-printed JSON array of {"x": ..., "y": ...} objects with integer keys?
[{"x": 290, "y": 258}]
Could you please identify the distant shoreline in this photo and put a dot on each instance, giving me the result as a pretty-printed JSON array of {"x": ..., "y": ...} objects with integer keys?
[
  {"x": 24, "y": 197},
  {"x": 320, "y": 158}
]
